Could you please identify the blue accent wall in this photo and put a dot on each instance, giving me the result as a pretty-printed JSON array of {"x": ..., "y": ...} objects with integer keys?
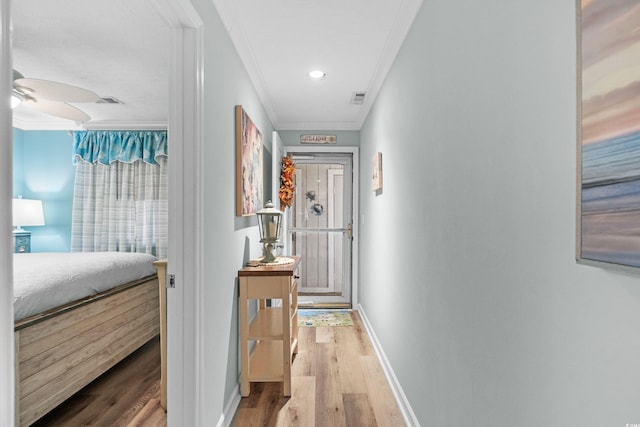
[
  {"x": 43, "y": 169},
  {"x": 18, "y": 155}
]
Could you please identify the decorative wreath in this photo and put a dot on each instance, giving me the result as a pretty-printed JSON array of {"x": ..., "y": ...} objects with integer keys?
[{"x": 286, "y": 183}]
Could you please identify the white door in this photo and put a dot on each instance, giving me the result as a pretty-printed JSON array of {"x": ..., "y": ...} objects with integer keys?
[{"x": 320, "y": 227}]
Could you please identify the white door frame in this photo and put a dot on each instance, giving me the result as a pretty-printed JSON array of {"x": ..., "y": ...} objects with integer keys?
[
  {"x": 331, "y": 203},
  {"x": 185, "y": 215},
  {"x": 7, "y": 360},
  {"x": 277, "y": 152},
  {"x": 356, "y": 198},
  {"x": 185, "y": 129}
]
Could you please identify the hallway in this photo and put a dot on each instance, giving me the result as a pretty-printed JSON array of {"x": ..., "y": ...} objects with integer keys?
[{"x": 337, "y": 380}]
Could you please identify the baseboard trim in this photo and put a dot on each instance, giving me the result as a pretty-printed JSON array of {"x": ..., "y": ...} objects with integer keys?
[
  {"x": 230, "y": 409},
  {"x": 401, "y": 398},
  {"x": 407, "y": 412}
]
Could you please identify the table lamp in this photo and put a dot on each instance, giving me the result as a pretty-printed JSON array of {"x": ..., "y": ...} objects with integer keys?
[
  {"x": 27, "y": 212},
  {"x": 269, "y": 221}
]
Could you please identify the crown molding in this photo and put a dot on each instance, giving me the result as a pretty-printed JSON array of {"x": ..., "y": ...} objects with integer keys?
[
  {"x": 54, "y": 124},
  {"x": 99, "y": 125},
  {"x": 177, "y": 14},
  {"x": 114, "y": 125},
  {"x": 323, "y": 126},
  {"x": 247, "y": 56},
  {"x": 228, "y": 12},
  {"x": 401, "y": 27}
]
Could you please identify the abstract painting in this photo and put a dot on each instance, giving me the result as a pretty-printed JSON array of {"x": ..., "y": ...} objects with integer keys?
[
  {"x": 248, "y": 165},
  {"x": 609, "y": 132}
]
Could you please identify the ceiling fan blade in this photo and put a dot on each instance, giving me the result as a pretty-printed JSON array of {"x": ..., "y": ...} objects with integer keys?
[
  {"x": 54, "y": 91},
  {"x": 58, "y": 109}
]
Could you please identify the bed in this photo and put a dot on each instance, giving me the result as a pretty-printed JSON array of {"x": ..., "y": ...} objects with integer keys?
[{"x": 77, "y": 315}]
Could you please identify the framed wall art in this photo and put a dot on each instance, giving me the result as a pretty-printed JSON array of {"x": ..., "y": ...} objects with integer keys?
[
  {"x": 376, "y": 176},
  {"x": 608, "y": 202},
  {"x": 318, "y": 139},
  {"x": 248, "y": 164}
]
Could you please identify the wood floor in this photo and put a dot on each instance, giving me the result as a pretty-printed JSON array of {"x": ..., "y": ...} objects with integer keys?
[
  {"x": 127, "y": 395},
  {"x": 337, "y": 381}
]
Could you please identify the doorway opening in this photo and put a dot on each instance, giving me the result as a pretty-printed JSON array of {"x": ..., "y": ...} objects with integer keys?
[{"x": 320, "y": 227}]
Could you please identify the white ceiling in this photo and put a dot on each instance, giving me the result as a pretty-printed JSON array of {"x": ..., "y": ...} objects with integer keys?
[{"x": 118, "y": 48}]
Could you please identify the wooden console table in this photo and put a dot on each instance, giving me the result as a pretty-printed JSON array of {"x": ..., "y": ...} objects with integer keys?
[{"x": 274, "y": 329}]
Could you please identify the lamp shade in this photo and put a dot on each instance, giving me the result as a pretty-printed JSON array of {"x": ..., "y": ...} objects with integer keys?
[
  {"x": 269, "y": 223},
  {"x": 15, "y": 100},
  {"x": 27, "y": 212}
]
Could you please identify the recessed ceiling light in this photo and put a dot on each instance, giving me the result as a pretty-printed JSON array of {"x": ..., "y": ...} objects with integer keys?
[{"x": 317, "y": 74}]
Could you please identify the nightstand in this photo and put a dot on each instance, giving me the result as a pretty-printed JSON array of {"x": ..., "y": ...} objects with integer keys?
[{"x": 22, "y": 241}]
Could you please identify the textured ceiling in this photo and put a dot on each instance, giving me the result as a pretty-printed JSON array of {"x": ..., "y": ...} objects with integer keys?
[{"x": 117, "y": 48}]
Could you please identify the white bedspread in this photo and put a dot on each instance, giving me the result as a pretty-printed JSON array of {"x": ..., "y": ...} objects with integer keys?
[{"x": 46, "y": 280}]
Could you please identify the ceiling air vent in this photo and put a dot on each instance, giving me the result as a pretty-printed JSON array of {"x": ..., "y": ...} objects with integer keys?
[
  {"x": 109, "y": 100},
  {"x": 358, "y": 98}
]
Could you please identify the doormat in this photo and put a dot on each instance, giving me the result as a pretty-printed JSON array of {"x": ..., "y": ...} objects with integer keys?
[{"x": 314, "y": 318}]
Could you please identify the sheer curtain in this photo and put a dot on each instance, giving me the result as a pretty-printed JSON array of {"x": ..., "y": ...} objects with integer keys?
[{"x": 120, "y": 192}]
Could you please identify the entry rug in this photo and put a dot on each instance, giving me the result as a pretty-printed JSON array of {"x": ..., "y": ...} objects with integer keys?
[{"x": 315, "y": 317}]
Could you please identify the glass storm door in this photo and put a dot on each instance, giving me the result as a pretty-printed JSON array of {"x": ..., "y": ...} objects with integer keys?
[{"x": 320, "y": 227}]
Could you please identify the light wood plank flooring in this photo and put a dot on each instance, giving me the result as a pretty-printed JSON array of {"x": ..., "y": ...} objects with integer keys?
[
  {"x": 336, "y": 381},
  {"x": 127, "y": 395}
]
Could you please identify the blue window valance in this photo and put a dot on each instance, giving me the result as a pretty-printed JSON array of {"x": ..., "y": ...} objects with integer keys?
[{"x": 106, "y": 147}]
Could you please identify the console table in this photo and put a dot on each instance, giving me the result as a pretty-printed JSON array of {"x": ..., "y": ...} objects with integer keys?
[{"x": 274, "y": 330}]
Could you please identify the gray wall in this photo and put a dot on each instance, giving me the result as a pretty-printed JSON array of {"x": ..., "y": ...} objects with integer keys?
[
  {"x": 481, "y": 309},
  {"x": 229, "y": 241}
]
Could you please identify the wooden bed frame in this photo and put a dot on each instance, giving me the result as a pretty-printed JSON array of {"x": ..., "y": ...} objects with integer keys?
[{"x": 62, "y": 350}]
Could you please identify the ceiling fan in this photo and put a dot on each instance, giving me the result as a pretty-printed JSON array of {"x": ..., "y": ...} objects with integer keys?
[{"x": 51, "y": 97}]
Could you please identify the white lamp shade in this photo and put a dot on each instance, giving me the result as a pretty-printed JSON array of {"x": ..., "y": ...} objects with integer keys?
[{"x": 27, "y": 212}]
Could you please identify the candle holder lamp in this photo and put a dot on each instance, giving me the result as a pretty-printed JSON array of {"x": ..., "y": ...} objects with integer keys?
[{"x": 269, "y": 224}]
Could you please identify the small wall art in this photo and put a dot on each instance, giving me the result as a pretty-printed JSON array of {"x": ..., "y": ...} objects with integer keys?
[
  {"x": 377, "y": 172},
  {"x": 248, "y": 164},
  {"x": 318, "y": 139}
]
